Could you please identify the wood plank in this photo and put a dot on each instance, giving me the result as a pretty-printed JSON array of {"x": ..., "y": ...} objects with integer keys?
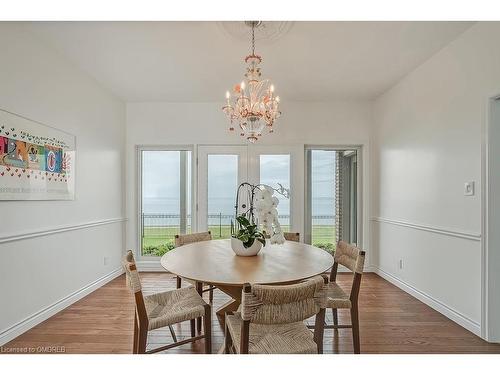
[{"x": 391, "y": 321}]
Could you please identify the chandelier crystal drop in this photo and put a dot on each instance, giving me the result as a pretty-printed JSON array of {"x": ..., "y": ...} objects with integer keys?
[{"x": 253, "y": 105}]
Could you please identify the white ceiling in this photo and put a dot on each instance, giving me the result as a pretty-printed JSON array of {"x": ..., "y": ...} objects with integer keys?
[{"x": 199, "y": 61}]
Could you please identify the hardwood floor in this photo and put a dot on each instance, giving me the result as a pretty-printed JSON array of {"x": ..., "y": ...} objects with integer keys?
[{"x": 391, "y": 321}]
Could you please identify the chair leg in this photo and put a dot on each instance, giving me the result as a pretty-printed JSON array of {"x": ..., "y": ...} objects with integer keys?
[
  {"x": 228, "y": 340},
  {"x": 207, "y": 328},
  {"x": 335, "y": 319},
  {"x": 193, "y": 329},
  {"x": 136, "y": 336},
  {"x": 355, "y": 329},
  {"x": 179, "y": 282},
  {"x": 319, "y": 328},
  {"x": 172, "y": 332},
  {"x": 199, "y": 289},
  {"x": 143, "y": 337},
  {"x": 211, "y": 294}
]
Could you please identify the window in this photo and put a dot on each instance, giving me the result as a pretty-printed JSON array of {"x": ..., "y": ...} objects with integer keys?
[
  {"x": 332, "y": 191},
  {"x": 165, "y": 199}
]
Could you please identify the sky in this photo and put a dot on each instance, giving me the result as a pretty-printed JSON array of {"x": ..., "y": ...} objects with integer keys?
[{"x": 161, "y": 178}]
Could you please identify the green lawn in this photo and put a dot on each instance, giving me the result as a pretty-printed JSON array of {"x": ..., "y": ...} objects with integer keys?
[{"x": 158, "y": 240}]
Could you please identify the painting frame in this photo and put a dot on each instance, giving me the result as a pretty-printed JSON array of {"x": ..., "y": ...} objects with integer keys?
[{"x": 37, "y": 161}]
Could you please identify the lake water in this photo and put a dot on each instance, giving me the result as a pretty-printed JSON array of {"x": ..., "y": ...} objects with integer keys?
[{"x": 225, "y": 207}]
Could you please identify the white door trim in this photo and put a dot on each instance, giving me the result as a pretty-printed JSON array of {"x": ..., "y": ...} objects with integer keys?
[{"x": 485, "y": 216}]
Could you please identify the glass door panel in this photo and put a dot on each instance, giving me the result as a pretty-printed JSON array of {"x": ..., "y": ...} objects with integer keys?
[
  {"x": 322, "y": 195},
  {"x": 222, "y": 184},
  {"x": 221, "y": 169},
  {"x": 332, "y": 197},
  {"x": 274, "y": 170},
  {"x": 165, "y": 199}
]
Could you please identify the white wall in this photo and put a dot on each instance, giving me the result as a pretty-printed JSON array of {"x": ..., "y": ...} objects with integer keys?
[
  {"x": 426, "y": 143},
  {"x": 338, "y": 123},
  {"x": 39, "y": 270}
]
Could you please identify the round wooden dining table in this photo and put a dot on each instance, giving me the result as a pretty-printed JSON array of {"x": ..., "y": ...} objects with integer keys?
[{"x": 214, "y": 262}]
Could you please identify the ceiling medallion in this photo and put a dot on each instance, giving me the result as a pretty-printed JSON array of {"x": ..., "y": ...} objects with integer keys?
[{"x": 253, "y": 105}]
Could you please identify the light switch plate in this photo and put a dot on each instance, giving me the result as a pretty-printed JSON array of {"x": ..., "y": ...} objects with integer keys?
[{"x": 469, "y": 188}]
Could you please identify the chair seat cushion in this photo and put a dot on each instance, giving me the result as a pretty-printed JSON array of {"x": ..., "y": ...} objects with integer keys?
[
  {"x": 173, "y": 306},
  {"x": 337, "y": 298},
  {"x": 291, "y": 338}
]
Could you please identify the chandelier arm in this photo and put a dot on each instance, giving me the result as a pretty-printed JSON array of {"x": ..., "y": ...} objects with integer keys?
[{"x": 253, "y": 38}]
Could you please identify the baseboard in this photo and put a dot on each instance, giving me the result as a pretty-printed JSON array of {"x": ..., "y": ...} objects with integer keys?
[
  {"x": 439, "y": 306},
  {"x": 150, "y": 266},
  {"x": 31, "y": 321},
  {"x": 370, "y": 269}
]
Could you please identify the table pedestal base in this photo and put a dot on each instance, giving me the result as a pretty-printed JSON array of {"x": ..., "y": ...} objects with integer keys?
[{"x": 235, "y": 293}]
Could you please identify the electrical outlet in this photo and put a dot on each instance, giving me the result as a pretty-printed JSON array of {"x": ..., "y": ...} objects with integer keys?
[
  {"x": 401, "y": 264},
  {"x": 106, "y": 261},
  {"x": 469, "y": 188}
]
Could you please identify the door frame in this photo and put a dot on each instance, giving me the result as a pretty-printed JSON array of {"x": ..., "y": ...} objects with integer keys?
[
  {"x": 298, "y": 187},
  {"x": 486, "y": 146}
]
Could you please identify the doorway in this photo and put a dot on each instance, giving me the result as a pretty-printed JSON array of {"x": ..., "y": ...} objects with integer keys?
[{"x": 222, "y": 168}]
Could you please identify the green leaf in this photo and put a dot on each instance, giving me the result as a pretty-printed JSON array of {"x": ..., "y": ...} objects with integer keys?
[
  {"x": 243, "y": 221},
  {"x": 248, "y": 232},
  {"x": 248, "y": 243},
  {"x": 244, "y": 237}
]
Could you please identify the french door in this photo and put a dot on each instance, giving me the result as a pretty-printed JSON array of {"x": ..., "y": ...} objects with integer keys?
[
  {"x": 281, "y": 166},
  {"x": 185, "y": 189},
  {"x": 222, "y": 168}
]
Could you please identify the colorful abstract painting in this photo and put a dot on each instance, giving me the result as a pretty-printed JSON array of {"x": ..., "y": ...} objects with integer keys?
[{"x": 36, "y": 161}]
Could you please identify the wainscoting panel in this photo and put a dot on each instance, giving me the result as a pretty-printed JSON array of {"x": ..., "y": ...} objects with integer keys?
[
  {"x": 441, "y": 268},
  {"x": 43, "y": 272}
]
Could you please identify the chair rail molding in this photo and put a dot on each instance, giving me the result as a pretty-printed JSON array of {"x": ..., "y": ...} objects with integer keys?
[
  {"x": 58, "y": 229},
  {"x": 429, "y": 228}
]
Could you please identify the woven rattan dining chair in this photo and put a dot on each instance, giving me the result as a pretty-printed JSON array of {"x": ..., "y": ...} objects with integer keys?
[
  {"x": 184, "y": 239},
  {"x": 271, "y": 319},
  {"x": 289, "y": 236},
  {"x": 164, "y": 309},
  {"x": 354, "y": 259}
]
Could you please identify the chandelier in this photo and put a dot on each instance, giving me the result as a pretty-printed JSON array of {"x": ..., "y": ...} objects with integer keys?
[{"x": 253, "y": 105}]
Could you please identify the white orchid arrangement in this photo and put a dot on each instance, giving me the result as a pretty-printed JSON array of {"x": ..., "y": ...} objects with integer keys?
[
  {"x": 266, "y": 207},
  {"x": 262, "y": 200}
]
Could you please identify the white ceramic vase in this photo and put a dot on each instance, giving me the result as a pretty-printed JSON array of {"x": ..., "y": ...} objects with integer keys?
[{"x": 240, "y": 250}]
